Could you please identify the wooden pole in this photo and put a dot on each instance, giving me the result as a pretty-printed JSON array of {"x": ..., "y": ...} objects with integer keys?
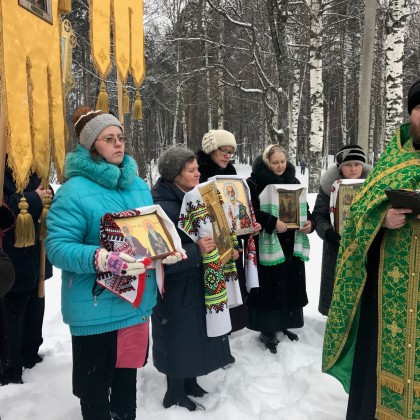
[{"x": 41, "y": 284}]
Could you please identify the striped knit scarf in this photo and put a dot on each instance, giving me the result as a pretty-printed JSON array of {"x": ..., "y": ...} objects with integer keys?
[{"x": 270, "y": 250}]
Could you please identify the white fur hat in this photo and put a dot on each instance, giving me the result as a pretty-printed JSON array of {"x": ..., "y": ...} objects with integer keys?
[{"x": 217, "y": 138}]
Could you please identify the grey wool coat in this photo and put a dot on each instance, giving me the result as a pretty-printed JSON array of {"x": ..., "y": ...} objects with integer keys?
[{"x": 321, "y": 214}]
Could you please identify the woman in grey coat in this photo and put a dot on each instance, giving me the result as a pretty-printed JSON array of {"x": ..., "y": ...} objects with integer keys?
[{"x": 350, "y": 164}]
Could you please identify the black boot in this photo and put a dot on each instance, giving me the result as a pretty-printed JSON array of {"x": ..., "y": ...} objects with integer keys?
[
  {"x": 176, "y": 395},
  {"x": 270, "y": 340},
  {"x": 192, "y": 388},
  {"x": 291, "y": 336}
]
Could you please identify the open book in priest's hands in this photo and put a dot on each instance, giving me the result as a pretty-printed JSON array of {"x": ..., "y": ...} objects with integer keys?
[{"x": 404, "y": 199}]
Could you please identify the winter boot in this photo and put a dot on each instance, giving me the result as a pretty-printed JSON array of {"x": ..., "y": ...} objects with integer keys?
[
  {"x": 291, "y": 336},
  {"x": 270, "y": 340},
  {"x": 176, "y": 395},
  {"x": 192, "y": 388}
]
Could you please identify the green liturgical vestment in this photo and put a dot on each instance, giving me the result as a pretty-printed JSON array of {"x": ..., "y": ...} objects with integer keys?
[{"x": 398, "y": 366}]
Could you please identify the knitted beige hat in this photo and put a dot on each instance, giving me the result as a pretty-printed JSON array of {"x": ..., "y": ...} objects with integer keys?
[{"x": 217, "y": 138}]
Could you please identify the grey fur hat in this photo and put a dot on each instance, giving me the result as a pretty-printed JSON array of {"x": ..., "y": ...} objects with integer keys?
[{"x": 172, "y": 161}]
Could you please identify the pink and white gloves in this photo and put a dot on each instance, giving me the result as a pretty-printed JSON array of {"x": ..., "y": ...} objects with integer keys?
[
  {"x": 122, "y": 264},
  {"x": 118, "y": 263}
]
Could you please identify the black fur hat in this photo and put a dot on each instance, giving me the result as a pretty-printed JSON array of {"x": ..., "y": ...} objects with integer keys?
[
  {"x": 413, "y": 96},
  {"x": 172, "y": 161}
]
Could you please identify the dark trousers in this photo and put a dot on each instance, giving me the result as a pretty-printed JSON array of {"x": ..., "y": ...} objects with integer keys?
[
  {"x": 22, "y": 315},
  {"x": 102, "y": 388},
  {"x": 302, "y": 170}
]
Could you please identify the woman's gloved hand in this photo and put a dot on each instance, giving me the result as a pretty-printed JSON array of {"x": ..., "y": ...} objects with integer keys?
[
  {"x": 172, "y": 259},
  {"x": 118, "y": 263}
]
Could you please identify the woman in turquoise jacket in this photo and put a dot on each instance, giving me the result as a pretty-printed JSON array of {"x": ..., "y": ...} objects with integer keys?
[{"x": 109, "y": 335}]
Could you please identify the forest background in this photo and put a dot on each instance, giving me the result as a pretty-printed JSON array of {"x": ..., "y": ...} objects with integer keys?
[{"x": 311, "y": 75}]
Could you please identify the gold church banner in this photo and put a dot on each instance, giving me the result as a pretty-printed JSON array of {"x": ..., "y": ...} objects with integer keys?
[
  {"x": 127, "y": 19},
  {"x": 31, "y": 90}
]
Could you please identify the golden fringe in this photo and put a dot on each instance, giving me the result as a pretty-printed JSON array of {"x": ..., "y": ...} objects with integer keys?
[
  {"x": 392, "y": 384},
  {"x": 64, "y": 6},
  {"x": 137, "y": 107},
  {"x": 25, "y": 231},
  {"x": 381, "y": 415},
  {"x": 417, "y": 390},
  {"x": 125, "y": 101},
  {"x": 102, "y": 102}
]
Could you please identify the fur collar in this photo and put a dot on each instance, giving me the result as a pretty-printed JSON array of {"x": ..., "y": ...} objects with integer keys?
[
  {"x": 79, "y": 163},
  {"x": 333, "y": 173},
  {"x": 208, "y": 168},
  {"x": 266, "y": 176}
]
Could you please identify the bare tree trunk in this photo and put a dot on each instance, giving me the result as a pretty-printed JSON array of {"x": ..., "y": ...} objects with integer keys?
[
  {"x": 394, "y": 63},
  {"x": 366, "y": 74},
  {"x": 220, "y": 84},
  {"x": 317, "y": 99}
]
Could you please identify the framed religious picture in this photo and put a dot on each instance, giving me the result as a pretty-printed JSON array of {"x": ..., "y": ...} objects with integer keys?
[
  {"x": 221, "y": 231},
  {"x": 147, "y": 236},
  {"x": 40, "y": 8},
  {"x": 236, "y": 204},
  {"x": 142, "y": 235},
  {"x": 345, "y": 195},
  {"x": 289, "y": 208}
]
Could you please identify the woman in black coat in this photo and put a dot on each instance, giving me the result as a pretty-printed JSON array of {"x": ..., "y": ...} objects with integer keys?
[
  {"x": 277, "y": 304},
  {"x": 23, "y": 310},
  {"x": 350, "y": 164},
  {"x": 181, "y": 348},
  {"x": 218, "y": 148}
]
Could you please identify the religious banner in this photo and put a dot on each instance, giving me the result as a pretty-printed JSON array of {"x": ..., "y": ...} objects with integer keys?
[
  {"x": 127, "y": 20},
  {"x": 31, "y": 99}
]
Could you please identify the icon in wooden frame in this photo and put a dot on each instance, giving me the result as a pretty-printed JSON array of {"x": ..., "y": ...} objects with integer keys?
[
  {"x": 289, "y": 207},
  {"x": 147, "y": 236},
  {"x": 345, "y": 196},
  {"x": 236, "y": 204},
  {"x": 40, "y": 8},
  {"x": 221, "y": 231}
]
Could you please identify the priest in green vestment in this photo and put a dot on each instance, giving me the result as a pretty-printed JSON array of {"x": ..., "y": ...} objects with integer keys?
[{"x": 372, "y": 338}]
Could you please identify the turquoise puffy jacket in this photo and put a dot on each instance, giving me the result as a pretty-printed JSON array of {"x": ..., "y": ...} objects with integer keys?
[{"x": 93, "y": 189}]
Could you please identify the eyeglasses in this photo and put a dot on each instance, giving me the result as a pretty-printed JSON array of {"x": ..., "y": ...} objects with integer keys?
[
  {"x": 226, "y": 152},
  {"x": 113, "y": 139}
]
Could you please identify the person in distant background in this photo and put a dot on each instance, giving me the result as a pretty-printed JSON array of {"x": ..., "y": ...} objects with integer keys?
[
  {"x": 350, "y": 164},
  {"x": 23, "y": 310},
  {"x": 302, "y": 166}
]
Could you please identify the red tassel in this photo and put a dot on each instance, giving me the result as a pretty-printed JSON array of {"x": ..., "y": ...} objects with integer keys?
[{"x": 141, "y": 285}]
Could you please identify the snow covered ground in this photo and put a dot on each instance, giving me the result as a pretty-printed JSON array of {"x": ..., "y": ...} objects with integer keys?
[{"x": 288, "y": 385}]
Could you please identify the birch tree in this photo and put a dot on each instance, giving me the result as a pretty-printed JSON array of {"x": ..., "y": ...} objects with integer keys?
[
  {"x": 317, "y": 99},
  {"x": 394, "y": 66},
  {"x": 366, "y": 74}
]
